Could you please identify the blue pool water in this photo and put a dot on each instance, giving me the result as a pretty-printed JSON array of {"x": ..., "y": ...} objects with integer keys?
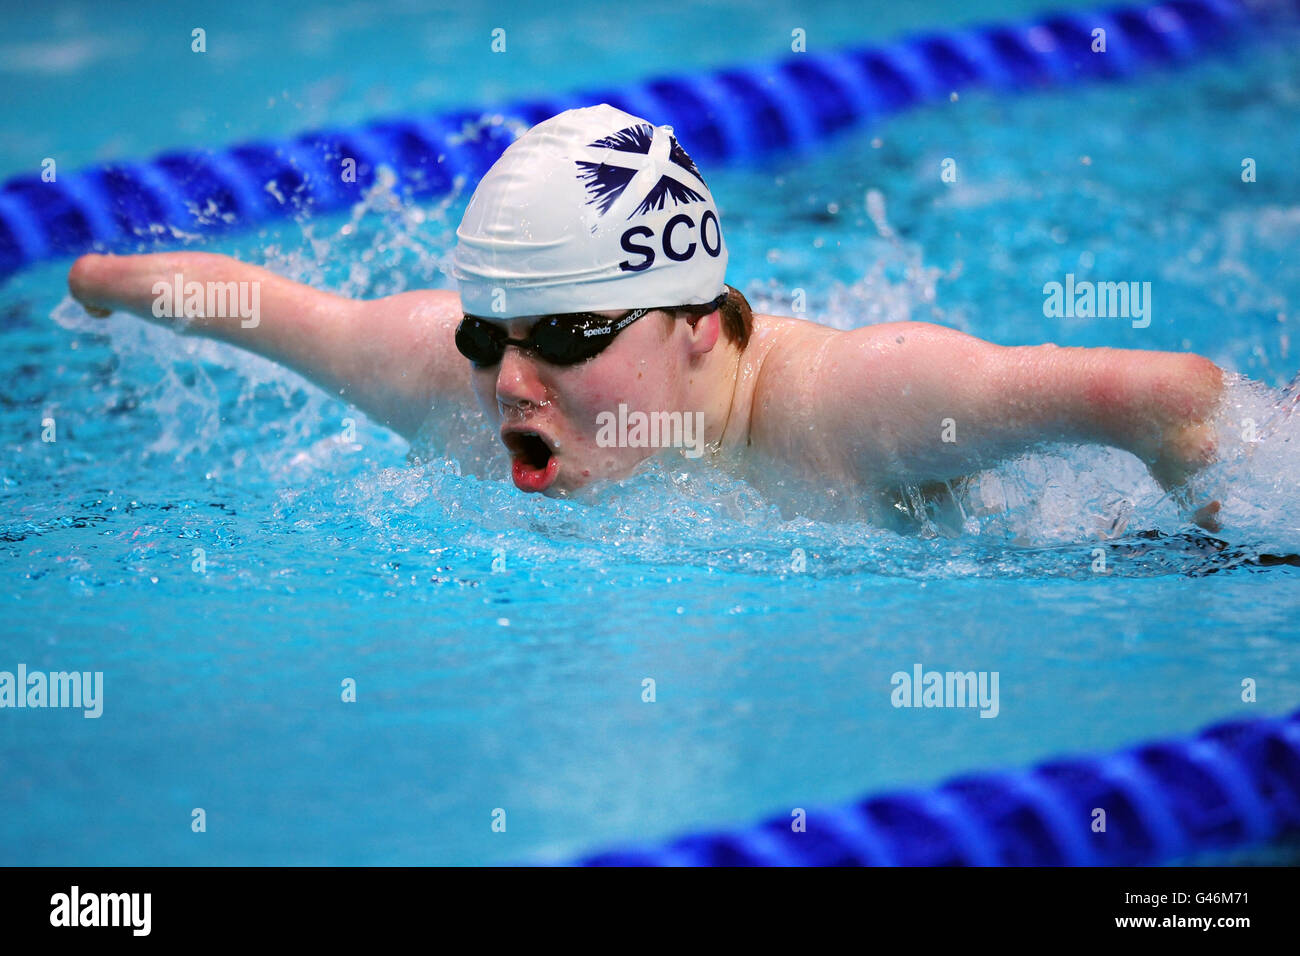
[{"x": 521, "y": 688}]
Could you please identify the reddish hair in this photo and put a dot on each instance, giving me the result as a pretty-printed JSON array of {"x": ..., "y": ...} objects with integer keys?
[{"x": 737, "y": 316}]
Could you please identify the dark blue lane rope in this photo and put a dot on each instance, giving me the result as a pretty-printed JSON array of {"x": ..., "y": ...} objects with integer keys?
[
  {"x": 735, "y": 115},
  {"x": 1233, "y": 786}
]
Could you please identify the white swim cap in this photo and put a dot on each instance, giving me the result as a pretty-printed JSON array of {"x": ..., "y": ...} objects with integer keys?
[{"x": 593, "y": 209}]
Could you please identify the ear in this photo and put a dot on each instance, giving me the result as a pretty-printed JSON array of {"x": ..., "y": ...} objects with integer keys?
[{"x": 705, "y": 330}]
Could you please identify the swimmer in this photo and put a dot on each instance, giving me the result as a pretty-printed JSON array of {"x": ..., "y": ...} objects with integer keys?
[{"x": 590, "y": 266}]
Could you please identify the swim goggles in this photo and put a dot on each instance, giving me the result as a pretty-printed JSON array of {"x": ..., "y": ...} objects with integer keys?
[{"x": 558, "y": 339}]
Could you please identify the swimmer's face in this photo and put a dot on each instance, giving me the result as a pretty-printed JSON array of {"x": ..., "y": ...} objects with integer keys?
[{"x": 548, "y": 415}]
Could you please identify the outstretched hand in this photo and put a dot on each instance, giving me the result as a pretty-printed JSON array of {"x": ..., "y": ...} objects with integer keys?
[
  {"x": 88, "y": 284},
  {"x": 1184, "y": 449}
]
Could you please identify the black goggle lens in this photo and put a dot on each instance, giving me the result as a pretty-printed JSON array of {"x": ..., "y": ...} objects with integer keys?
[
  {"x": 480, "y": 342},
  {"x": 561, "y": 343}
]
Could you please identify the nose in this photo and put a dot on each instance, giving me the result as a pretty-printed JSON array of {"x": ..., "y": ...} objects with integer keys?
[{"x": 518, "y": 383}]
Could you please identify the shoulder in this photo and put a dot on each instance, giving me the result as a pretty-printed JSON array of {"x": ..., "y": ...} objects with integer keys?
[
  {"x": 780, "y": 348},
  {"x": 794, "y": 356},
  {"x": 779, "y": 368},
  {"x": 808, "y": 378}
]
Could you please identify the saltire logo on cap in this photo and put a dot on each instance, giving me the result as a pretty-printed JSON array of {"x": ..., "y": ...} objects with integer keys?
[{"x": 606, "y": 182}]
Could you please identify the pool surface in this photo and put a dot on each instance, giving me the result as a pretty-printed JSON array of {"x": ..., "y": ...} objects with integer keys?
[{"x": 499, "y": 642}]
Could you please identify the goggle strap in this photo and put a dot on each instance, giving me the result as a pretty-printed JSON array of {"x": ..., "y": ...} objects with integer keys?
[{"x": 629, "y": 319}]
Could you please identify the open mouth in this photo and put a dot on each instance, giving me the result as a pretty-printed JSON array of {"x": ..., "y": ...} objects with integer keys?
[{"x": 533, "y": 464}]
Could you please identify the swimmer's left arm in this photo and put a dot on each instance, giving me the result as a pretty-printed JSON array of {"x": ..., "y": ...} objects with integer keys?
[{"x": 922, "y": 402}]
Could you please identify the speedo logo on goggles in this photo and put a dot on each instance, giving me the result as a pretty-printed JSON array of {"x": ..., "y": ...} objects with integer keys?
[{"x": 606, "y": 182}]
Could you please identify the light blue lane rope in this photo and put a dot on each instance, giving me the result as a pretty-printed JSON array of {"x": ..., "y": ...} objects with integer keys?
[
  {"x": 1233, "y": 786},
  {"x": 735, "y": 115}
]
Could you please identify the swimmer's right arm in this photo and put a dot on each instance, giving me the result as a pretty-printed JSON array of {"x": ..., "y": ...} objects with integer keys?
[{"x": 394, "y": 358}]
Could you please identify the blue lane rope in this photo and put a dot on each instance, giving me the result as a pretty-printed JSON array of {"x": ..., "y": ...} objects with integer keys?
[
  {"x": 1233, "y": 786},
  {"x": 735, "y": 115}
]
